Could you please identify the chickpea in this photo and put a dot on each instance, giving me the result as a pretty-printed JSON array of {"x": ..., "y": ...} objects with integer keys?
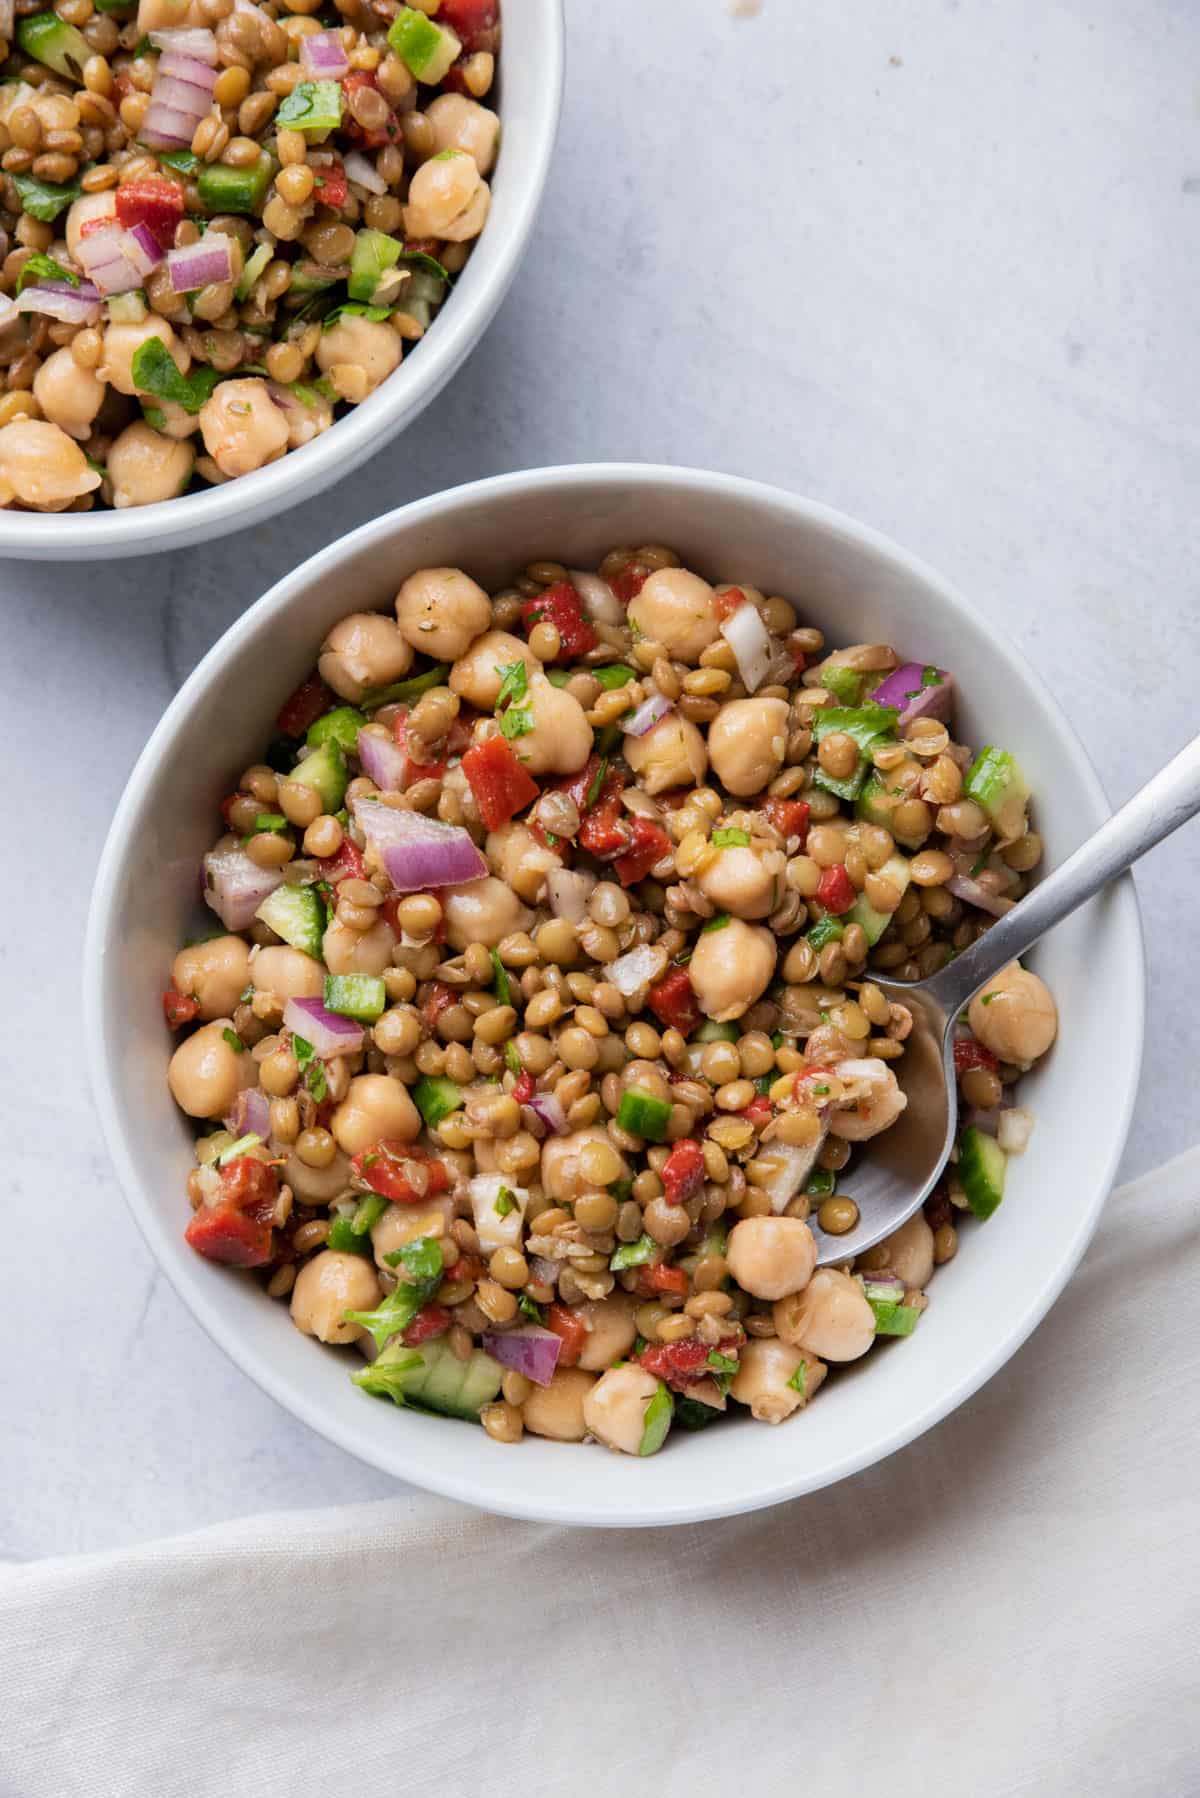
[
  {"x": 910, "y": 1252},
  {"x": 463, "y": 124},
  {"x": 770, "y": 1257},
  {"x": 670, "y": 754},
  {"x": 447, "y": 197},
  {"x": 747, "y": 742},
  {"x": 878, "y": 1103},
  {"x": 766, "y": 1369},
  {"x": 82, "y": 212},
  {"x": 328, "y": 1286},
  {"x": 615, "y": 1408},
  {"x": 830, "y": 1318},
  {"x": 375, "y": 1107},
  {"x": 121, "y": 342},
  {"x": 215, "y": 973},
  {"x": 363, "y": 651},
  {"x": 305, "y": 419},
  {"x": 441, "y": 611},
  {"x": 1014, "y": 1016},
  {"x": 482, "y": 911},
  {"x": 677, "y": 609},
  {"x": 731, "y": 968},
  {"x": 175, "y": 421},
  {"x": 476, "y": 675},
  {"x": 145, "y": 465},
  {"x": 288, "y": 973},
  {"x": 69, "y": 396},
  {"x": 362, "y": 343},
  {"x": 316, "y": 1185},
  {"x": 562, "y": 1176},
  {"x": 242, "y": 427},
  {"x": 612, "y": 1331},
  {"x": 520, "y": 861},
  {"x": 349, "y": 951},
  {"x": 401, "y": 1224},
  {"x": 207, "y": 1074},
  {"x": 556, "y": 1410},
  {"x": 43, "y": 467},
  {"x": 561, "y": 739},
  {"x": 743, "y": 881}
]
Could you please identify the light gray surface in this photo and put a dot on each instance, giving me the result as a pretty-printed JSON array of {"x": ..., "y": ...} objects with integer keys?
[{"x": 930, "y": 262}]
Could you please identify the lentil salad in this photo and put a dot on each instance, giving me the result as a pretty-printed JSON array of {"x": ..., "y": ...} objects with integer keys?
[
  {"x": 220, "y": 223},
  {"x": 542, "y": 1031}
]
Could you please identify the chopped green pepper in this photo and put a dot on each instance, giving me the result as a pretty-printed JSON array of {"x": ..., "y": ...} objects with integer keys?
[
  {"x": 403, "y": 690},
  {"x": 340, "y": 726},
  {"x": 242, "y": 190},
  {"x": 359, "y": 996}
]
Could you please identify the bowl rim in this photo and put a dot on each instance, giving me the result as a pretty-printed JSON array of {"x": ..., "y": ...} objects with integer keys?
[
  {"x": 557, "y": 483},
  {"x": 250, "y": 500}
]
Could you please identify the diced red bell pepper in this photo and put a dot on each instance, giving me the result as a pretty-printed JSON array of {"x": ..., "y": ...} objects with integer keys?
[
  {"x": 414, "y": 769},
  {"x": 562, "y": 607},
  {"x": 571, "y": 1327},
  {"x": 472, "y": 21},
  {"x": 606, "y": 830},
  {"x": 655, "y": 1277},
  {"x": 789, "y": 816},
  {"x": 525, "y": 1088},
  {"x": 250, "y": 1184},
  {"x": 152, "y": 201},
  {"x": 835, "y": 890},
  {"x": 628, "y": 583},
  {"x": 969, "y": 1053},
  {"x": 682, "y": 1173},
  {"x": 431, "y": 1320},
  {"x": 311, "y": 700},
  {"x": 224, "y": 1233},
  {"x": 330, "y": 186},
  {"x": 502, "y": 787},
  {"x": 760, "y": 1111},
  {"x": 677, "y": 1363},
  {"x": 392, "y": 1170},
  {"x": 726, "y": 604},
  {"x": 387, "y": 133},
  {"x": 650, "y": 843},
  {"x": 347, "y": 864},
  {"x": 674, "y": 1003},
  {"x": 438, "y": 999},
  {"x": 179, "y": 1008},
  {"x": 807, "y": 1084}
]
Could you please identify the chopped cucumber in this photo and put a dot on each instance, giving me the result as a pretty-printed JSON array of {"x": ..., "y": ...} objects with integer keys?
[
  {"x": 341, "y": 726},
  {"x": 254, "y": 267},
  {"x": 867, "y": 725},
  {"x": 877, "y": 805},
  {"x": 826, "y": 930},
  {"x": 297, "y": 915},
  {"x": 996, "y": 784},
  {"x": 374, "y": 254},
  {"x": 434, "y": 1377},
  {"x": 313, "y": 108},
  {"x": 898, "y": 870},
  {"x": 359, "y": 996},
  {"x": 50, "y": 40},
  {"x": 427, "y": 49},
  {"x": 643, "y": 1115},
  {"x": 227, "y": 189},
  {"x": 435, "y": 1098},
  {"x": 325, "y": 772},
  {"x": 712, "y": 1032},
  {"x": 310, "y": 277},
  {"x": 982, "y": 1166},
  {"x": 633, "y": 1254}
]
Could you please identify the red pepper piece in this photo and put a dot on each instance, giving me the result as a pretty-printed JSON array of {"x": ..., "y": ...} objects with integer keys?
[
  {"x": 392, "y": 1169},
  {"x": 760, "y": 1111},
  {"x": 525, "y": 1088},
  {"x": 431, "y": 1320},
  {"x": 330, "y": 186},
  {"x": 970, "y": 1053},
  {"x": 347, "y": 864},
  {"x": 502, "y": 787},
  {"x": 474, "y": 22},
  {"x": 237, "y": 1230},
  {"x": 179, "y": 1008},
  {"x": 835, "y": 890},
  {"x": 726, "y": 604},
  {"x": 570, "y": 1326},
  {"x": 439, "y": 997},
  {"x": 606, "y": 830},
  {"x": 375, "y": 139},
  {"x": 682, "y": 1173},
  {"x": 628, "y": 583},
  {"x": 152, "y": 201},
  {"x": 673, "y": 1001},
  {"x": 677, "y": 1363},
  {"x": 789, "y": 816},
  {"x": 656, "y": 1277},
  {"x": 311, "y": 700},
  {"x": 650, "y": 844},
  {"x": 562, "y": 607}
]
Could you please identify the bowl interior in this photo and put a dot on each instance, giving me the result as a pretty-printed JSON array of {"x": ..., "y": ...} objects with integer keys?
[
  {"x": 528, "y": 94},
  {"x": 856, "y": 587}
]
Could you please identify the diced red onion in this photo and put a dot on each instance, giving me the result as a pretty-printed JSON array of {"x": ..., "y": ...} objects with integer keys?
[
  {"x": 794, "y": 1162},
  {"x": 746, "y": 635},
  {"x": 103, "y": 256},
  {"x": 142, "y": 248},
  {"x": 328, "y": 1033},
  {"x": 188, "y": 41},
  {"x": 8, "y": 311},
  {"x": 201, "y": 264},
  {"x": 903, "y": 689},
  {"x": 1016, "y": 1127},
  {"x": 543, "y": 1272},
  {"x": 181, "y": 96},
  {"x": 647, "y": 715},
  {"x": 599, "y": 601},
  {"x": 359, "y": 169},
  {"x": 963, "y": 887},
  {"x": 419, "y": 852},
  {"x": 550, "y": 1111},
  {"x": 234, "y": 886},
  {"x": 529, "y": 1350},
  {"x": 568, "y": 892},
  {"x": 177, "y": 65},
  {"x": 323, "y": 56},
  {"x": 383, "y": 761},
  {"x": 251, "y": 1114},
  {"x": 635, "y": 968},
  {"x": 165, "y": 128},
  {"x": 58, "y": 299}
]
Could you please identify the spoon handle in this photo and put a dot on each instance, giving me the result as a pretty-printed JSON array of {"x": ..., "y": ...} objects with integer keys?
[{"x": 1162, "y": 805}]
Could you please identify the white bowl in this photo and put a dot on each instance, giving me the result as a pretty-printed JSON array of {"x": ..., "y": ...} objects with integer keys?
[
  {"x": 856, "y": 586},
  {"x": 530, "y": 95}
]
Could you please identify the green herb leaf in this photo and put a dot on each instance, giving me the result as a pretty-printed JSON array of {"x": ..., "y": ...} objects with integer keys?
[
  {"x": 302, "y": 1049},
  {"x": 633, "y": 1254},
  {"x": 370, "y": 1210},
  {"x": 930, "y": 677},
  {"x": 531, "y": 1309},
  {"x": 270, "y": 821},
  {"x": 596, "y": 783},
  {"x": 657, "y": 1421},
  {"x": 504, "y": 1202},
  {"x": 799, "y": 1380},
  {"x": 155, "y": 372},
  {"x": 717, "y": 923},
  {"x": 514, "y": 681},
  {"x": 44, "y": 200},
  {"x": 512, "y": 1059},
  {"x": 385, "y": 1379},
  {"x": 237, "y": 1148},
  {"x": 516, "y": 722},
  {"x": 501, "y": 983},
  {"x": 41, "y": 267},
  {"x": 422, "y": 1259},
  {"x": 723, "y": 1363},
  {"x": 234, "y": 1040},
  {"x": 355, "y": 309},
  {"x": 988, "y": 997},
  {"x": 730, "y": 838}
]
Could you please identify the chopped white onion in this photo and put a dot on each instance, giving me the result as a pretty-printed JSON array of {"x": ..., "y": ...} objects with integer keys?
[
  {"x": 746, "y": 635},
  {"x": 493, "y": 1230},
  {"x": 1015, "y": 1129},
  {"x": 568, "y": 892},
  {"x": 647, "y": 715},
  {"x": 792, "y": 1164},
  {"x": 635, "y": 969},
  {"x": 599, "y": 601},
  {"x": 365, "y": 173}
]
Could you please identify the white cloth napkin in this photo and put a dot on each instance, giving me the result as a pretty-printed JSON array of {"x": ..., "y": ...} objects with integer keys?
[{"x": 1008, "y": 1606}]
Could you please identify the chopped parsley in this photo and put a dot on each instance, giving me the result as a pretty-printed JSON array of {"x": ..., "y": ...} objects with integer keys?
[
  {"x": 731, "y": 838},
  {"x": 512, "y": 1058},
  {"x": 504, "y": 1202},
  {"x": 234, "y": 1040},
  {"x": 516, "y": 722},
  {"x": 988, "y": 997},
  {"x": 514, "y": 683},
  {"x": 531, "y": 1309},
  {"x": 717, "y": 923},
  {"x": 597, "y": 781},
  {"x": 503, "y": 985},
  {"x": 799, "y": 1380},
  {"x": 723, "y": 1363},
  {"x": 270, "y": 821}
]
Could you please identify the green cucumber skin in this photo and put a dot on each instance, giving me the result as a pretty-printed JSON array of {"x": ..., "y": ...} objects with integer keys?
[
  {"x": 296, "y": 915},
  {"x": 453, "y": 1387},
  {"x": 898, "y": 870},
  {"x": 982, "y": 1168}
]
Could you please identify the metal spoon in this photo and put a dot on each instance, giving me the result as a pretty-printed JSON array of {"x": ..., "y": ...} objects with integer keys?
[{"x": 902, "y": 1165}]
